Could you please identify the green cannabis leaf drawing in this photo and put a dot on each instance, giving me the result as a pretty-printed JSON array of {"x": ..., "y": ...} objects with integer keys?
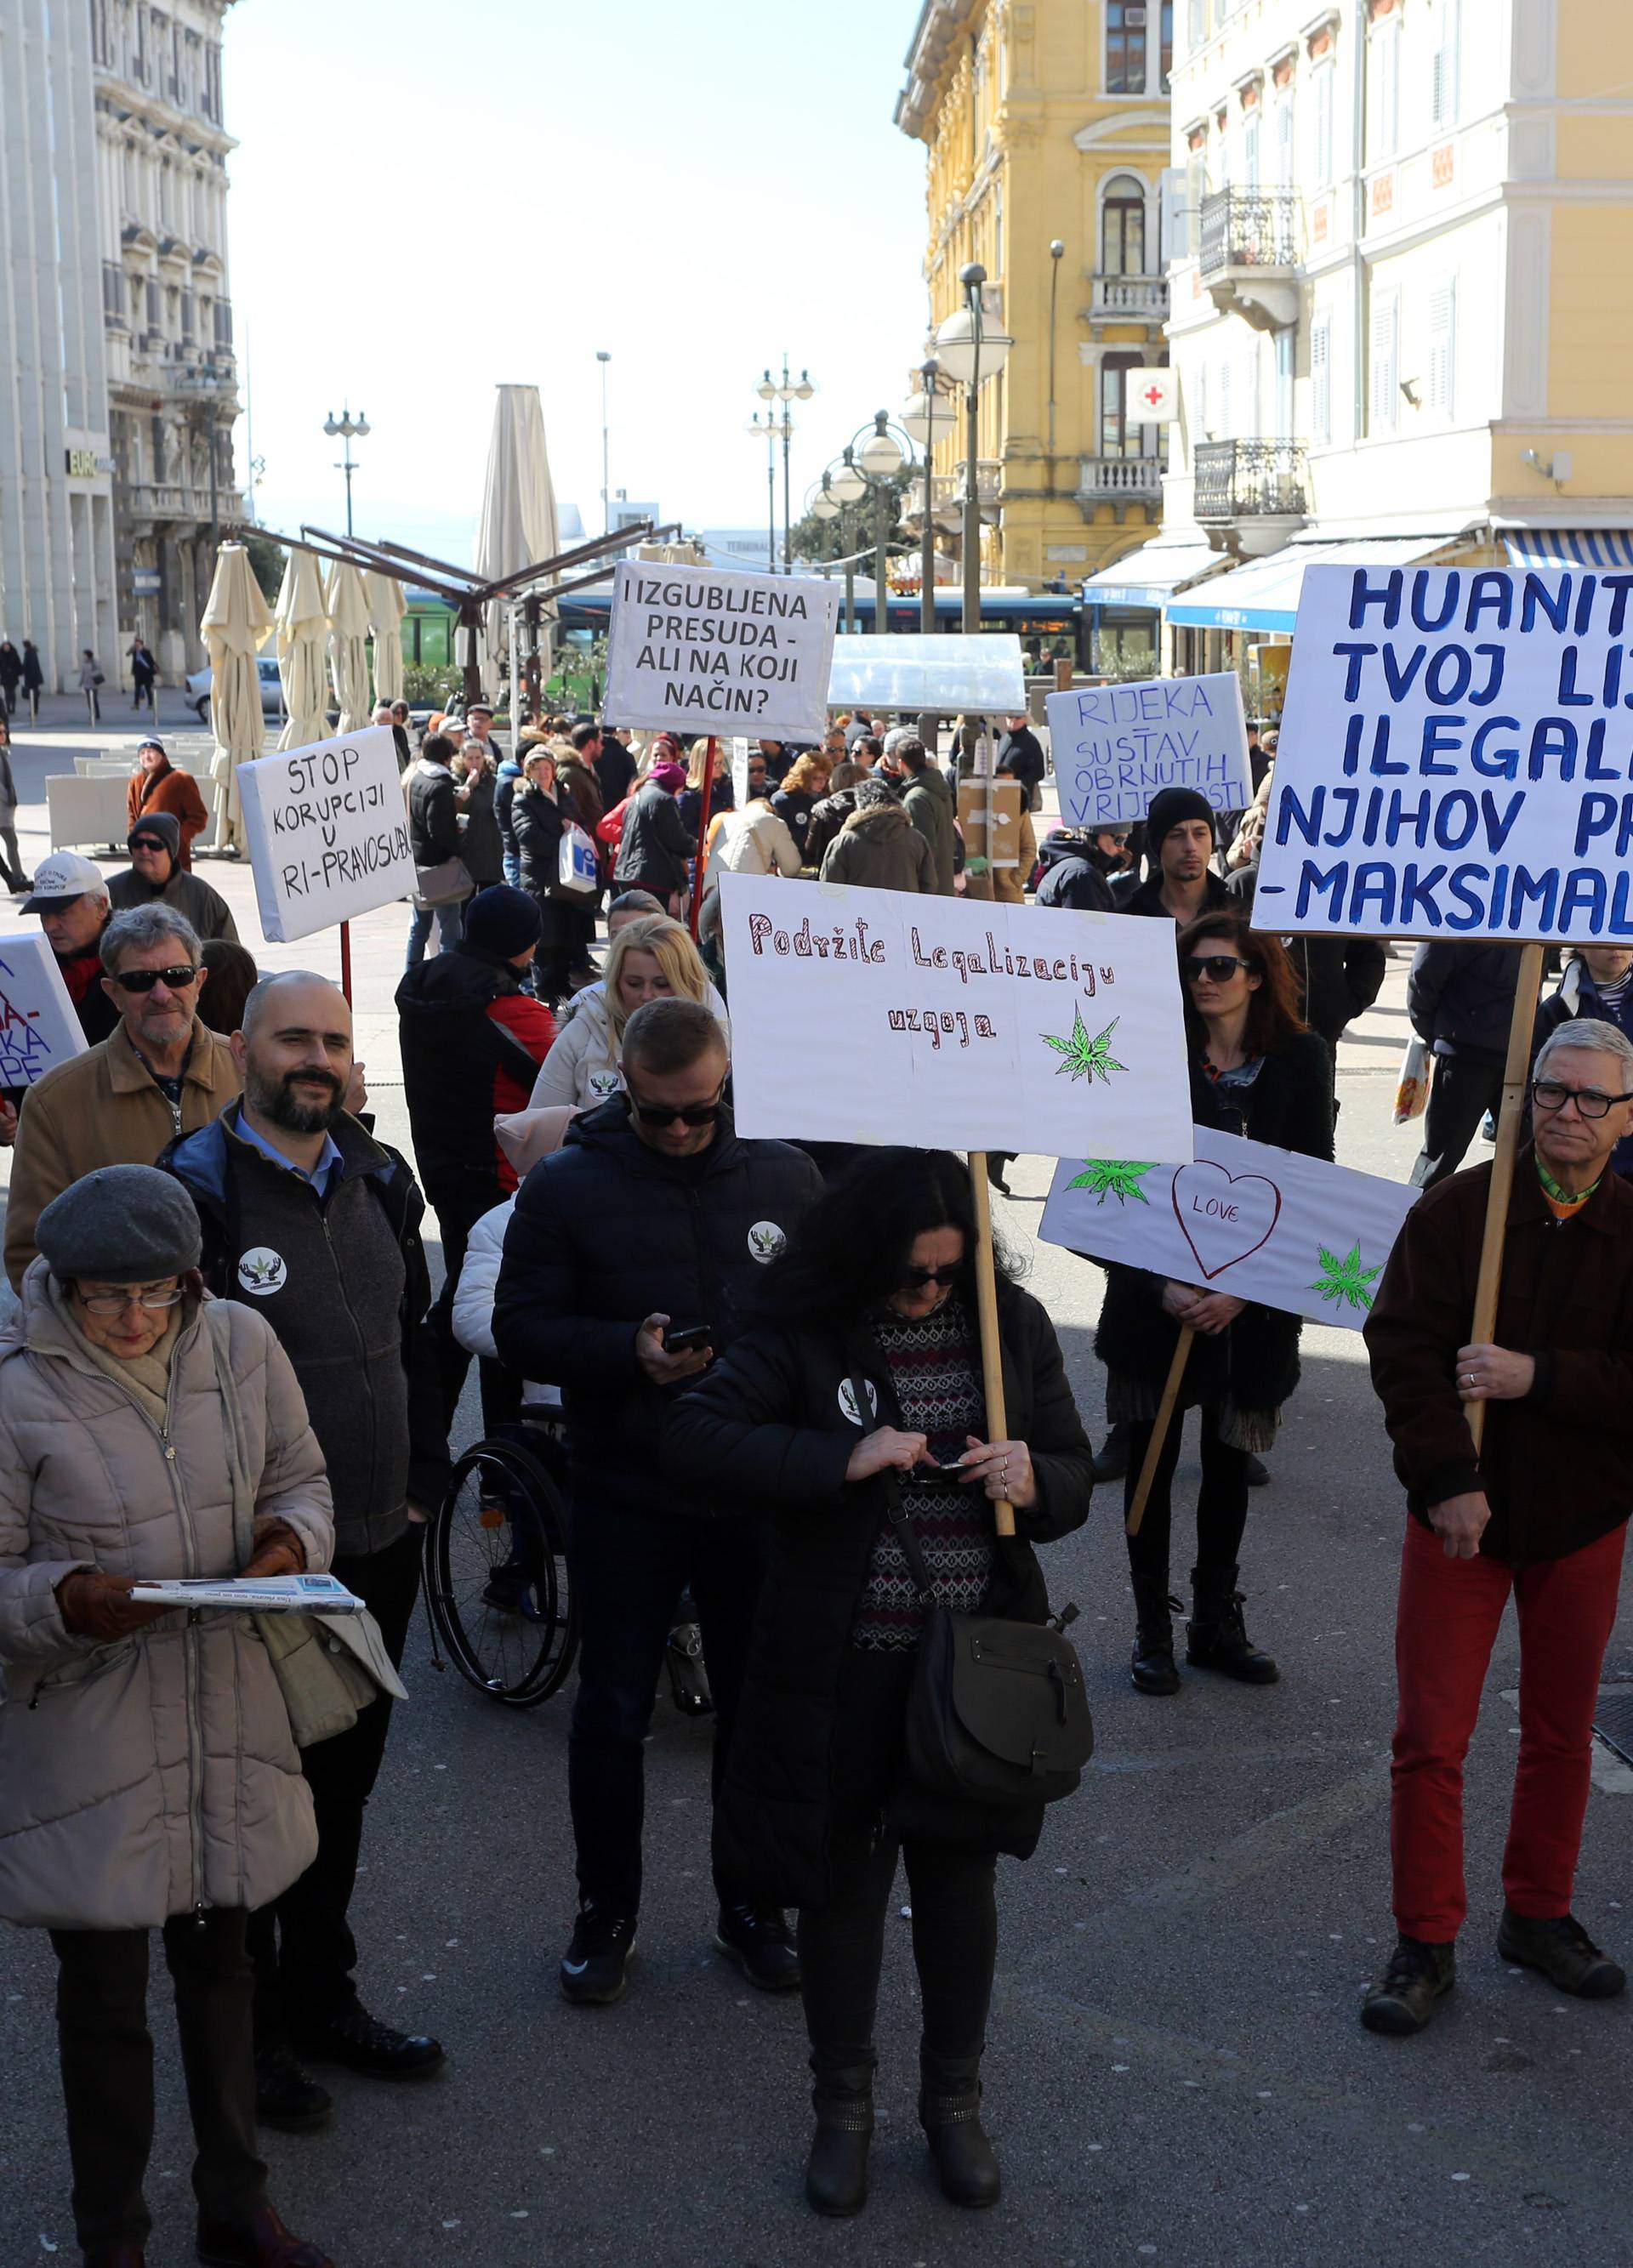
[
  {"x": 1345, "y": 1281},
  {"x": 1085, "y": 1058},
  {"x": 1113, "y": 1177}
]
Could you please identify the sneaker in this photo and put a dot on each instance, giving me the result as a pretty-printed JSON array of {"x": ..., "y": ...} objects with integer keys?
[
  {"x": 286, "y": 2096},
  {"x": 689, "y": 1676},
  {"x": 1418, "y": 1973},
  {"x": 595, "y": 1968},
  {"x": 1565, "y": 1953},
  {"x": 364, "y": 2044},
  {"x": 760, "y": 1941}
]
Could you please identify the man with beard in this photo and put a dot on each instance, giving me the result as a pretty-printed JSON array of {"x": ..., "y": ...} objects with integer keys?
[{"x": 306, "y": 1215}]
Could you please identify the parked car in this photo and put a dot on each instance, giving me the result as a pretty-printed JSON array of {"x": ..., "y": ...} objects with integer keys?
[{"x": 271, "y": 690}]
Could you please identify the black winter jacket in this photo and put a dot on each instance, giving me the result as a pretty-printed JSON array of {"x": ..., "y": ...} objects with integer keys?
[
  {"x": 1460, "y": 998},
  {"x": 1339, "y": 977},
  {"x": 536, "y": 821},
  {"x": 607, "y": 1233},
  {"x": 654, "y": 846},
  {"x": 433, "y": 822},
  {"x": 765, "y": 1430},
  {"x": 1071, "y": 879},
  {"x": 1021, "y": 755},
  {"x": 451, "y": 1049},
  {"x": 827, "y": 817},
  {"x": 1290, "y": 1106},
  {"x": 1131, "y": 897}
]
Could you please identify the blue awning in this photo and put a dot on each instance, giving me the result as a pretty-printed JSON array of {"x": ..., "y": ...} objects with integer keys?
[
  {"x": 1263, "y": 593},
  {"x": 1149, "y": 576},
  {"x": 1569, "y": 547}
]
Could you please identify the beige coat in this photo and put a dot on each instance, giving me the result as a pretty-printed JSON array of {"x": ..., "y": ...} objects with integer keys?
[
  {"x": 145, "y": 1778},
  {"x": 102, "y": 1108}
]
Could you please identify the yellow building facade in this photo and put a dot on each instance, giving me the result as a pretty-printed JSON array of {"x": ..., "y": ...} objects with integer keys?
[{"x": 1046, "y": 126}]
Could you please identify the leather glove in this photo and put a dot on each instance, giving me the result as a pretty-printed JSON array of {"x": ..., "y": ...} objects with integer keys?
[{"x": 98, "y": 1606}]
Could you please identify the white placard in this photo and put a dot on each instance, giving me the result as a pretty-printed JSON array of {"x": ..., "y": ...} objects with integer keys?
[
  {"x": 1456, "y": 757},
  {"x": 981, "y": 675},
  {"x": 1116, "y": 746},
  {"x": 328, "y": 832},
  {"x": 877, "y": 1016},
  {"x": 740, "y": 770},
  {"x": 38, "y": 1026},
  {"x": 708, "y": 652},
  {"x": 1268, "y": 1225}
]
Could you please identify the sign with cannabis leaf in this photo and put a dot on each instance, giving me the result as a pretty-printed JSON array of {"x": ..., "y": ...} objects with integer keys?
[
  {"x": 1085, "y": 1058},
  {"x": 1240, "y": 1216}
]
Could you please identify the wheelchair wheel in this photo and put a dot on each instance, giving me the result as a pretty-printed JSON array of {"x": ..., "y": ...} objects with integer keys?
[{"x": 496, "y": 1573}]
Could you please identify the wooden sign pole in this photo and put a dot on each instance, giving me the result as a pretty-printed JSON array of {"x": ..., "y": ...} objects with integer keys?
[
  {"x": 703, "y": 837},
  {"x": 345, "y": 960},
  {"x": 1515, "y": 1072},
  {"x": 987, "y": 1309},
  {"x": 1159, "y": 1430}
]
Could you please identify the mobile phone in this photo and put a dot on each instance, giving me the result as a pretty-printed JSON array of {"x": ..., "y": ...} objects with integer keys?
[
  {"x": 961, "y": 1471},
  {"x": 688, "y": 1338}
]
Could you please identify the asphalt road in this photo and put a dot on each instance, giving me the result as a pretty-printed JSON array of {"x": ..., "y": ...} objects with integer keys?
[{"x": 1176, "y": 2071}]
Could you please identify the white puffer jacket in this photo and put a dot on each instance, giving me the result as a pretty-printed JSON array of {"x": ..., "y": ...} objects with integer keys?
[
  {"x": 581, "y": 1069},
  {"x": 156, "y": 1774}
]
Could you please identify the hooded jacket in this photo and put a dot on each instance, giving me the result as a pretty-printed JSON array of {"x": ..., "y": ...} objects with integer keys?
[
  {"x": 928, "y": 800},
  {"x": 879, "y": 848},
  {"x": 654, "y": 846},
  {"x": 156, "y": 1774},
  {"x": 433, "y": 814},
  {"x": 607, "y": 1233},
  {"x": 462, "y": 1064},
  {"x": 1068, "y": 876},
  {"x": 828, "y": 816}
]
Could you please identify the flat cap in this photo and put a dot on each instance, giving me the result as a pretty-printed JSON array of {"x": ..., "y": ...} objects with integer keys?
[{"x": 120, "y": 1225}]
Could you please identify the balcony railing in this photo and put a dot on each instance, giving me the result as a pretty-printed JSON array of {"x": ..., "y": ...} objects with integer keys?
[
  {"x": 1129, "y": 300},
  {"x": 1120, "y": 477},
  {"x": 947, "y": 488},
  {"x": 1242, "y": 480},
  {"x": 1249, "y": 228}
]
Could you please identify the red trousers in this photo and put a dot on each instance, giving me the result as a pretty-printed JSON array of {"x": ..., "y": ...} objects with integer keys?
[{"x": 1446, "y": 1625}]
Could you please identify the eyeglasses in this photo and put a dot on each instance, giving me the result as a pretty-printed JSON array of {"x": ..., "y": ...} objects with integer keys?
[
  {"x": 1591, "y": 1101},
  {"x": 659, "y": 1114},
  {"x": 139, "y": 1295},
  {"x": 143, "y": 980},
  {"x": 920, "y": 1279},
  {"x": 1215, "y": 967}
]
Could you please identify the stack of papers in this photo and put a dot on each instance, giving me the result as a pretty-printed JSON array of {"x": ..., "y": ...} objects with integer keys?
[{"x": 260, "y": 1594}]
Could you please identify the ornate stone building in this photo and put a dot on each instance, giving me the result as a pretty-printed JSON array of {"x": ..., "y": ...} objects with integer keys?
[{"x": 161, "y": 153}]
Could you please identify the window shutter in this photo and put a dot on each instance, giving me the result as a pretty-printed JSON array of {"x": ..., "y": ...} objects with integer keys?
[
  {"x": 1321, "y": 377},
  {"x": 1443, "y": 347},
  {"x": 1446, "y": 72},
  {"x": 1286, "y": 159},
  {"x": 1384, "y": 364},
  {"x": 1324, "y": 79}
]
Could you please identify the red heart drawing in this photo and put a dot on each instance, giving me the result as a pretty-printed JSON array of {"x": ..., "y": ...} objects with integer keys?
[{"x": 1224, "y": 1217}]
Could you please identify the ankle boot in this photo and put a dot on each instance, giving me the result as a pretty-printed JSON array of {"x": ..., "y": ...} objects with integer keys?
[
  {"x": 1151, "y": 1668},
  {"x": 1216, "y": 1635},
  {"x": 949, "y": 2112},
  {"x": 836, "y": 2172}
]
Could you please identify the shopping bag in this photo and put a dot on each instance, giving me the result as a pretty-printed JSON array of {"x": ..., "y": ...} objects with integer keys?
[
  {"x": 1417, "y": 1068},
  {"x": 579, "y": 870}
]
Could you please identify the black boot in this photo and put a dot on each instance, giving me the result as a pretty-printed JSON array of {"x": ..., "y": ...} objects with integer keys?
[
  {"x": 949, "y": 2112},
  {"x": 836, "y": 2172},
  {"x": 1216, "y": 1635},
  {"x": 1152, "y": 1668},
  {"x": 1112, "y": 1461}
]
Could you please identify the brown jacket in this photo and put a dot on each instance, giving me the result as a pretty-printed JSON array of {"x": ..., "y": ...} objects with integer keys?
[
  {"x": 102, "y": 1109},
  {"x": 879, "y": 848},
  {"x": 1557, "y": 1467},
  {"x": 172, "y": 789}
]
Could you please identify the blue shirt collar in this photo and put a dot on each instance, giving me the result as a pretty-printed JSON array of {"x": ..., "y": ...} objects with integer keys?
[{"x": 322, "y": 1175}]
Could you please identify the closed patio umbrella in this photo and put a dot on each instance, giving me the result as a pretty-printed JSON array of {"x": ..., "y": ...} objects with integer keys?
[
  {"x": 303, "y": 641},
  {"x": 348, "y": 646},
  {"x": 236, "y": 626},
  {"x": 387, "y": 603},
  {"x": 518, "y": 523}
]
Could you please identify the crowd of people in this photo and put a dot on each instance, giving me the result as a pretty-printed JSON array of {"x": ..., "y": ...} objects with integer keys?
[{"x": 230, "y": 1355}]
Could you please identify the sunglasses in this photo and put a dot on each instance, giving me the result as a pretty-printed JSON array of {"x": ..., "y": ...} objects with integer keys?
[
  {"x": 1591, "y": 1101},
  {"x": 143, "y": 980},
  {"x": 920, "y": 1279},
  {"x": 658, "y": 1113},
  {"x": 1215, "y": 967}
]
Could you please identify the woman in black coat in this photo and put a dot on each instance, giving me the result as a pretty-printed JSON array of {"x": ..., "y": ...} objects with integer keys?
[
  {"x": 1256, "y": 1071},
  {"x": 868, "y": 1381},
  {"x": 536, "y": 820}
]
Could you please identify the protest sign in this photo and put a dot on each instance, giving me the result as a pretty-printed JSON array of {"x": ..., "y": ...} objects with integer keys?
[
  {"x": 1116, "y": 746},
  {"x": 1268, "y": 1225},
  {"x": 708, "y": 652},
  {"x": 1456, "y": 757},
  {"x": 328, "y": 832},
  {"x": 38, "y": 1026},
  {"x": 875, "y": 1016},
  {"x": 994, "y": 805},
  {"x": 740, "y": 771},
  {"x": 980, "y": 675}
]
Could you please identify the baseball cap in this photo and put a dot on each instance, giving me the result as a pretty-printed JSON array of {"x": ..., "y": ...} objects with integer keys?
[{"x": 61, "y": 879}]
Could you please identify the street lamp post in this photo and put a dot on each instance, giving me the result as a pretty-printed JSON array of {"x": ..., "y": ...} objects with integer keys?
[
  {"x": 969, "y": 352},
  {"x": 919, "y": 420},
  {"x": 603, "y": 358},
  {"x": 772, "y": 428},
  {"x": 786, "y": 390},
  {"x": 348, "y": 428},
  {"x": 872, "y": 460}
]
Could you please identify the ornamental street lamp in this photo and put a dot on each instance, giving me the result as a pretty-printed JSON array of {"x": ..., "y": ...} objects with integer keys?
[
  {"x": 786, "y": 390},
  {"x": 872, "y": 459},
  {"x": 348, "y": 428},
  {"x": 971, "y": 350},
  {"x": 927, "y": 413}
]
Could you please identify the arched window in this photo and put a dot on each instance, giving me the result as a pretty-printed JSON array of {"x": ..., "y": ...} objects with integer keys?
[{"x": 1122, "y": 226}]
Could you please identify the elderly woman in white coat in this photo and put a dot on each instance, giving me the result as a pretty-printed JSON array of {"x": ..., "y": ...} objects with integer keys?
[{"x": 148, "y": 1779}]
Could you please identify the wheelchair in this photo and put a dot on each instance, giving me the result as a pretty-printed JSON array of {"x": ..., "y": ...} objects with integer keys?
[{"x": 497, "y": 1580}]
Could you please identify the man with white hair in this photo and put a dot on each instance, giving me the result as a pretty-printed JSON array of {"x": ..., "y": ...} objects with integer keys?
[
  {"x": 1539, "y": 1510},
  {"x": 72, "y": 899}
]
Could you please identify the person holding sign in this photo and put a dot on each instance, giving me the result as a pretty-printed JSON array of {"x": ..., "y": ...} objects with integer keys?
[
  {"x": 1540, "y": 1510},
  {"x": 875, "y": 1304},
  {"x": 1256, "y": 1071}
]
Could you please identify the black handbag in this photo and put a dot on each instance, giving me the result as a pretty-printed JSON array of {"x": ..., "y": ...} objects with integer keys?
[{"x": 997, "y": 1713}]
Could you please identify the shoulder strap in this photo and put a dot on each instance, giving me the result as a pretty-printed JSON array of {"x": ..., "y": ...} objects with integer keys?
[{"x": 218, "y": 1324}]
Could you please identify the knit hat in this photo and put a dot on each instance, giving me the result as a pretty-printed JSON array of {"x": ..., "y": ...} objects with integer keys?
[
  {"x": 1171, "y": 808},
  {"x": 120, "y": 1225},
  {"x": 670, "y": 778},
  {"x": 503, "y": 921},
  {"x": 164, "y": 828}
]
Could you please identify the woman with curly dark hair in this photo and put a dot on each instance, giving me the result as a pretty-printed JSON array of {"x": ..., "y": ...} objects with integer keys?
[
  {"x": 1256, "y": 1070},
  {"x": 865, "y": 1384}
]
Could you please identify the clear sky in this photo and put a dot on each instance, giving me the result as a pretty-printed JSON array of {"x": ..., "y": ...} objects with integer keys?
[{"x": 429, "y": 200}]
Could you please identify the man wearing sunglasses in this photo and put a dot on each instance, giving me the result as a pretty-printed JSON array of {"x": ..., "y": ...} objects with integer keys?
[
  {"x": 1540, "y": 1510},
  {"x": 159, "y": 1074},
  {"x": 655, "y": 1219}
]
